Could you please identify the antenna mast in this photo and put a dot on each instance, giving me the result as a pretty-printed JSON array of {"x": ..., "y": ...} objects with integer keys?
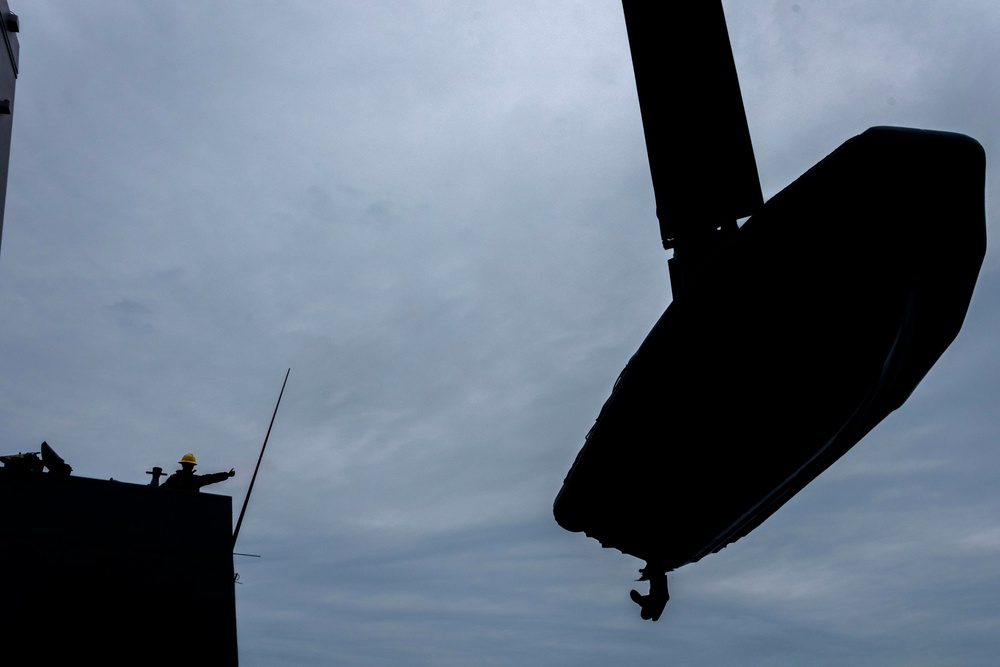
[{"x": 260, "y": 458}]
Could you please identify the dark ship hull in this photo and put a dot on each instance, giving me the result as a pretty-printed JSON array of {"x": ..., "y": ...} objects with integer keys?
[
  {"x": 817, "y": 319},
  {"x": 115, "y": 573}
]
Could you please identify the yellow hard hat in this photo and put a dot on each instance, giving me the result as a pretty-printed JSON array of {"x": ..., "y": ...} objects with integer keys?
[{"x": 188, "y": 458}]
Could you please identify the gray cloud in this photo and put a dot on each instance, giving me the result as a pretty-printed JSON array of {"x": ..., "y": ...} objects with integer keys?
[{"x": 440, "y": 217}]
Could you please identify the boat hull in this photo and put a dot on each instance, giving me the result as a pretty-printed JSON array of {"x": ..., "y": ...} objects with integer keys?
[{"x": 814, "y": 322}]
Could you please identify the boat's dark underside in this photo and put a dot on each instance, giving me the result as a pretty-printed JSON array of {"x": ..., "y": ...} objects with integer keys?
[{"x": 813, "y": 323}]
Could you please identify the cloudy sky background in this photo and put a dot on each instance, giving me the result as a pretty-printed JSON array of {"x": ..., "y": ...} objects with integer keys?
[{"x": 439, "y": 215}]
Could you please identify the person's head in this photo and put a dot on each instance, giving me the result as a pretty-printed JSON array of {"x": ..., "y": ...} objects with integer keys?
[{"x": 188, "y": 462}]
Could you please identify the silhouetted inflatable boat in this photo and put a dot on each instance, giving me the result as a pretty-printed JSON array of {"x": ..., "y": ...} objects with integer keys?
[{"x": 815, "y": 321}]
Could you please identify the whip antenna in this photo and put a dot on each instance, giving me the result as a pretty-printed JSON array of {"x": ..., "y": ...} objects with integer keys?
[{"x": 259, "y": 459}]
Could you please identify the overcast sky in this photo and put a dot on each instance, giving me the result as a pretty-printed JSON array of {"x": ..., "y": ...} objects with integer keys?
[{"x": 438, "y": 214}]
